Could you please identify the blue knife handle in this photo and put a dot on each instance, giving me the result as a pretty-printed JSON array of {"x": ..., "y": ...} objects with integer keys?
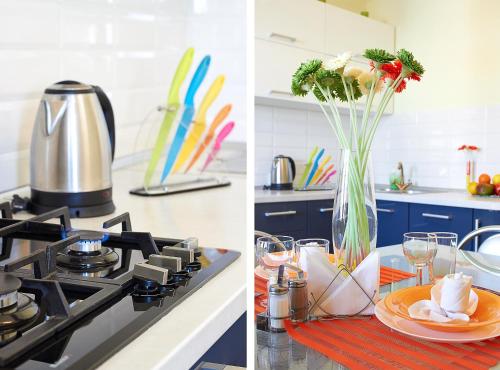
[
  {"x": 315, "y": 167},
  {"x": 180, "y": 134},
  {"x": 199, "y": 75}
]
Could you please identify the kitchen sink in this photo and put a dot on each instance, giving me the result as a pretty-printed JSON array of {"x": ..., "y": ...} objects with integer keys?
[{"x": 412, "y": 191}]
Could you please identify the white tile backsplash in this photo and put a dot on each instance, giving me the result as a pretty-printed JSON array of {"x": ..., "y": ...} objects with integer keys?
[
  {"x": 426, "y": 142},
  {"x": 128, "y": 47}
]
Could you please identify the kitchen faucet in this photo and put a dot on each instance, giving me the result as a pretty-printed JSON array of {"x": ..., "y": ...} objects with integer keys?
[{"x": 401, "y": 173}]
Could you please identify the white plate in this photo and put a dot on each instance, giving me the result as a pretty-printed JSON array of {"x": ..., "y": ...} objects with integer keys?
[{"x": 415, "y": 330}]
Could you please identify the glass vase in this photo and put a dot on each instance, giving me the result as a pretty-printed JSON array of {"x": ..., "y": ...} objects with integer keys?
[{"x": 354, "y": 223}]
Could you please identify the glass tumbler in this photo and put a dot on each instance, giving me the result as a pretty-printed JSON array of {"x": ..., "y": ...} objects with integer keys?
[
  {"x": 444, "y": 258},
  {"x": 273, "y": 251},
  {"x": 321, "y": 244},
  {"x": 419, "y": 248}
]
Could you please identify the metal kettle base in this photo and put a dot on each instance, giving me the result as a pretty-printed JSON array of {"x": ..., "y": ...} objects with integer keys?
[{"x": 81, "y": 205}]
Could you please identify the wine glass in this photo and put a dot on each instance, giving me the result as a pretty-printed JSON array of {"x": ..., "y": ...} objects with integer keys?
[{"x": 419, "y": 248}]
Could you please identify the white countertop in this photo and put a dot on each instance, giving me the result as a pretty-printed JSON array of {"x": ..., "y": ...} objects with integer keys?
[
  {"x": 453, "y": 198},
  {"x": 218, "y": 218}
]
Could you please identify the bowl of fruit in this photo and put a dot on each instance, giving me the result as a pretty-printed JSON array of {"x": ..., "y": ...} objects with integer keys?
[{"x": 485, "y": 186}]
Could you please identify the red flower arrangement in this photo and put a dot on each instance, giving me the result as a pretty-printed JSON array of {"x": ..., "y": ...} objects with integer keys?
[{"x": 468, "y": 147}]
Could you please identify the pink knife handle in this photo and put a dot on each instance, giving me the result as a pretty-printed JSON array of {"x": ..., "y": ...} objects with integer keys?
[
  {"x": 328, "y": 177},
  {"x": 209, "y": 159},
  {"x": 226, "y": 130}
]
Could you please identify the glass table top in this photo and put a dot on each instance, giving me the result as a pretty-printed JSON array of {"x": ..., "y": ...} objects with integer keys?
[{"x": 277, "y": 351}]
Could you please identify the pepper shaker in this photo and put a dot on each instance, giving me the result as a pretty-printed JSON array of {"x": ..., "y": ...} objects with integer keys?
[
  {"x": 278, "y": 307},
  {"x": 299, "y": 304}
]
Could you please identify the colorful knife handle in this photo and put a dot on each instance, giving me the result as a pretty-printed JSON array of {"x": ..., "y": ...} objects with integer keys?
[{"x": 196, "y": 81}]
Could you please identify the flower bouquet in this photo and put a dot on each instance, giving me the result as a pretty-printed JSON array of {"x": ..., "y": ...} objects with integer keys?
[{"x": 331, "y": 82}]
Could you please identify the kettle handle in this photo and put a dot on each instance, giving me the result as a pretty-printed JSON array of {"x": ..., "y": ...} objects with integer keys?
[
  {"x": 108, "y": 115},
  {"x": 292, "y": 162}
]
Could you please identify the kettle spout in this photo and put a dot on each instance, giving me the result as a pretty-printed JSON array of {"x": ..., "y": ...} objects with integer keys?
[{"x": 54, "y": 111}]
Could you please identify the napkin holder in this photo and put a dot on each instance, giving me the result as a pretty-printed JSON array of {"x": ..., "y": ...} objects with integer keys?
[{"x": 336, "y": 292}]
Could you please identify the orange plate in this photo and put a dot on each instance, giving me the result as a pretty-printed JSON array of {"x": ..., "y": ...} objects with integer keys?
[{"x": 487, "y": 312}]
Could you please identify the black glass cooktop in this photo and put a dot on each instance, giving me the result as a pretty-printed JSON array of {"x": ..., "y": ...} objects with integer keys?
[{"x": 72, "y": 298}]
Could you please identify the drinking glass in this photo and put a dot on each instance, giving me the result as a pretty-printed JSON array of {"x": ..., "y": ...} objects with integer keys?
[
  {"x": 419, "y": 248},
  {"x": 321, "y": 244},
  {"x": 273, "y": 251},
  {"x": 444, "y": 258}
]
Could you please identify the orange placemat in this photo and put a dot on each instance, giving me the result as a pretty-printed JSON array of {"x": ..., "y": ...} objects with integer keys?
[
  {"x": 369, "y": 344},
  {"x": 387, "y": 275}
]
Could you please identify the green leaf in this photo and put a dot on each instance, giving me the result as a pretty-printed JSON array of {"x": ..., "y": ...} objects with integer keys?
[
  {"x": 303, "y": 78},
  {"x": 409, "y": 61},
  {"x": 379, "y": 56}
]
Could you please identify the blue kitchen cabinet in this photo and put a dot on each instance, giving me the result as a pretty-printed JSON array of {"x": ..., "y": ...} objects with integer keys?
[
  {"x": 282, "y": 218},
  {"x": 393, "y": 222},
  {"x": 231, "y": 348},
  {"x": 430, "y": 218},
  {"x": 319, "y": 219},
  {"x": 482, "y": 218}
]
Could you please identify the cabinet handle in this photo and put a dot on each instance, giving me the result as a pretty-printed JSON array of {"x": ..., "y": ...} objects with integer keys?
[
  {"x": 433, "y": 215},
  {"x": 280, "y": 92},
  {"x": 324, "y": 210},
  {"x": 284, "y": 213},
  {"x": 476, "y": 238},
  {"x": 282, "y": 36},
  {"x": 385, "y": 210}
]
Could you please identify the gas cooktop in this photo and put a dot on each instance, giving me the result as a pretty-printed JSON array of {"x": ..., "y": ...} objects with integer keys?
[{"x": 70, "y": 298}]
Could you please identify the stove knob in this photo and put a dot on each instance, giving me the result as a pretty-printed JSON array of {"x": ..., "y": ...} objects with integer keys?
[
  {"x": 145, "y": 271},
  {"x": 173, "y": 264},
  {"x": 190, "y": 243},
  {"x": 187, "y": 255}
]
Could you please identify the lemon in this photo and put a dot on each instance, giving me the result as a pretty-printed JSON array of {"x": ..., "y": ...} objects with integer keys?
[{"x": 472, "y": 188}]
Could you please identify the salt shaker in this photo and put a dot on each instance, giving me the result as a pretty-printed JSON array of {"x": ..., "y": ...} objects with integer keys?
[
  {"x": 278, "y": 307},
  {"x": 299, "y": 305}
]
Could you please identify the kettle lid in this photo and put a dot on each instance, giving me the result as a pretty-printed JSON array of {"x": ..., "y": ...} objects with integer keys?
[{"x": 69, "y": 87}]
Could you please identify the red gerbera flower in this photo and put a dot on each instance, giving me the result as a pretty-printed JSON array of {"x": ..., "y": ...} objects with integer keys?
[{"x": 392, "y": 72}]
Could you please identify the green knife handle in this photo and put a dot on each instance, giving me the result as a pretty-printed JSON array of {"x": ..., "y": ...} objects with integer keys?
[{"x": 180, "y": 76}]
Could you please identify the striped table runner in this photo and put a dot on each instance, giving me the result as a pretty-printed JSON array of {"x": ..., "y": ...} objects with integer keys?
[
  {"x": 369, "y": 344},
  {"x": 387, "y": 275}
]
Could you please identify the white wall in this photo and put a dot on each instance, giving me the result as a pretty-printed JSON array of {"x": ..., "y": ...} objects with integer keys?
[
  {"x": 290, "y": 132},
  {"x": 457, "y": 41},
  {"x": 128, "y": 47}
]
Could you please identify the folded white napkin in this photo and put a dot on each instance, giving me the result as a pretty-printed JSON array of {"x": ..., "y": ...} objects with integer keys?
[
  {"x": 452, "y": 300},
  {"x": 344, "y": 296}
]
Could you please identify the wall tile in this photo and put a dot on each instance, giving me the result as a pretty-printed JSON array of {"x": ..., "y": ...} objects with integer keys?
[
  {"x": 29, "y": 72},
  {"x": 426, "y": 142},
  {"x": 130, "y": 48},
  {"x": 33, "y": 24}
]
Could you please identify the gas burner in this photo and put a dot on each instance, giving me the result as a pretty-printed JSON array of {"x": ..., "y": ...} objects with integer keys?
[
  {"x": 17, "y": 310},
  {"x": 87, "y": 255}
]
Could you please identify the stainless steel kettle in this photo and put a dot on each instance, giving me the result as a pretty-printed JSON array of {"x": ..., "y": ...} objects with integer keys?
[
  {"x": 72, "y": 149},
  {"x": 282, "y": 173}
]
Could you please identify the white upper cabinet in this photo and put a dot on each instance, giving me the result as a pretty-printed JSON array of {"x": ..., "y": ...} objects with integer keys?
[
  {"x": 299, "y": 23},
  {"x": 289, "y": 32},
  {"x": 274, "y": 66},
  {"x": 347, "y": 31}
]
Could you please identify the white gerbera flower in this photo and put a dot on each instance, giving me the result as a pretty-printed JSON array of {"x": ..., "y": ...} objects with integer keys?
[{"x": 339, "y": 62}]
